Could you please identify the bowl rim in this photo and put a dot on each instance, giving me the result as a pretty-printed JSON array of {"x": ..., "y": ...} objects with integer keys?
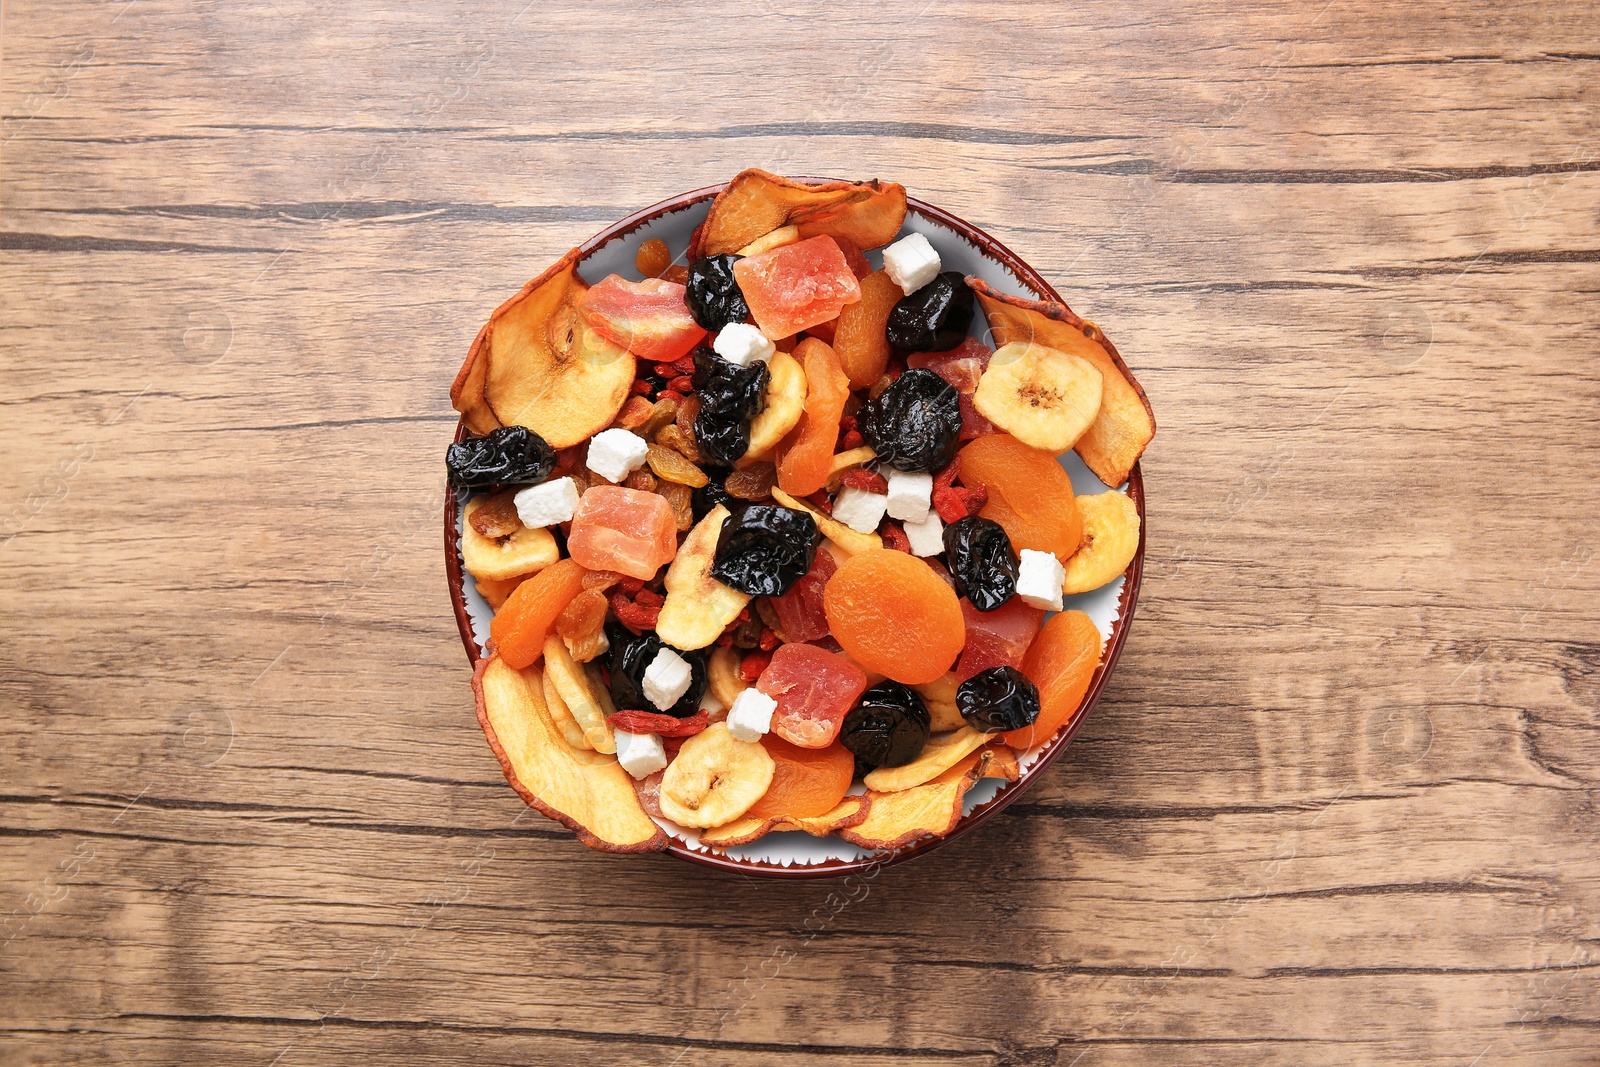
[{"x": 1127, "y": 599}]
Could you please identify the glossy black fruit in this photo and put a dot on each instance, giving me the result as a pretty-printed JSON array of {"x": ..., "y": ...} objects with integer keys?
[
  {"x": 511, "y": 455},
  {"x": 764, "y": 549},
  {"x": 730, "y": 396},
  {"x": 713, "y": 293},
  {"x": 934, "y": 318},
  {"x": 1000, "y": 698},
  {"x": 630, "y": 657},
  {"x": 915, "y": 424},
  {"x": 888, "y": 727},
  {"x": 981, "y": 561}
]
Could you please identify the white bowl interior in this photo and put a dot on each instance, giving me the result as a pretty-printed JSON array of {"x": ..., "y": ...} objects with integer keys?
[{"x": 797, "y": 849}]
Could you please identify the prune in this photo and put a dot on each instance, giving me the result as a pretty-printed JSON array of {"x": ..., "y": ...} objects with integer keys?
[
  {"x": 982, "y": 561},
  {"x": 888, "y": 727},
  {"x": 713, "y": 293},
  {"x": 764, "y": 549},
  {"x": 511, "y": 455},
  {"x": 730, "y": 396},
  {"x": 915, "y": 424},
  {"x": 1000, "y": 698},
  {"x": 714, "y": 492},
  {"x": 630, "y": 657},
  {"x": 934, "y": 318}
]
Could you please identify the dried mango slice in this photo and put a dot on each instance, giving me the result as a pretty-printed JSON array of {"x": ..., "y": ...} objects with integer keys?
[
  {"x": 757, "y": 202},
  {"x": 536, "y": 364},
  {"x": 585, "y": 791},
  {"x": 851, "y": 811},
  {"x": 933, "y": 809},
  {"x": 1125, "y": 423}
]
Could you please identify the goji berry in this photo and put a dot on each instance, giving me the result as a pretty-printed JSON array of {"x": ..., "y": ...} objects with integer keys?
[
  {"x": 671, "y": 394},
  {"x": 726, "y": 640},
  {"x": 851, "y": 439},
  {"x": 633, "y": 616},
  {"x": 666, "y": 370},
  {"x": 820, "y": 501},
  {"x": 640, "y": 387},
  {"x": 682, "y": 384},
  {"x": 650, "y": 722},
  {"x": 954, "y": 504},
  {"x": 894, "y": 537},
  {"x": 649, "y": 598},
  {"x": 631, "y": 584},
  {"x": 751, "y": 666},
  {"x": 769, "y": 641},
  {"x": 684, "y": 365},
  {"x": 871, "y": 481}
]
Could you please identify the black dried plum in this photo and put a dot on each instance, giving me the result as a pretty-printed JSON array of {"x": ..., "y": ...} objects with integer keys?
[
  {"x": 888, "y": 727},
  {"x": 982, "y": 561},
  {"x": 915, "y": 424},
  {"x": 764, "y": 549},
  {"x": 714, "y": 492},
  {"x": 713, "y": 294},
  {"x": 730, "y": 396},
  {"x": 630, "y": 657},
  {"x": 934, "y": 318},
  {"x": 511, "y": 455},
  {"x": 1000, "y": 698}
]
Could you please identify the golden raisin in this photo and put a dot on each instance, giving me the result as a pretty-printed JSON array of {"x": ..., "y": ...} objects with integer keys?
[
  {"x": 672, "y": 467},
  {"x": 754, "y": 482},
  {"x": 497, "y": 516},
  {"x": 681, "y": 497},
  {"x": 653, "y": 258}
]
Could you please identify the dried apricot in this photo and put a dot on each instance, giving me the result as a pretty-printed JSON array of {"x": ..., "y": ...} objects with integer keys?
[
  {"x": 893, "y": 615},
  {"x": 805, "y": 465},
  {"x": 1030, "y": 494},
  {"x": 806, "y": 782},
  {"x": 860, "y": 339},
  {"x": 1061, "y": 662},
  {"x": 521, "y": 625}
]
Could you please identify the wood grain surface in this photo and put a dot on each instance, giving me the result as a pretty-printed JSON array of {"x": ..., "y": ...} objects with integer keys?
[{"x": 1339, "y": 805}]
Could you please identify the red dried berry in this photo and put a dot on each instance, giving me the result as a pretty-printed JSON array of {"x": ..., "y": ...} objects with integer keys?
[
  {"x": 894, "y": 537},
  {"x": 682, "y": 384},
  {"x": 640, "y": 387},
  {"x": 631, "y": 584},
  {"x": 665, "y": 370},
  {"x": 954, "y": 504},
  {"x": 684, "y": 365},
  {"x": 751, "y": 666},
  {"x": 650, "y": 722},
  {"x": 871, "y": 481},
  {"x": 670, "y": 394},
  {"x": 649, "y": 598},
  {"x": 821, "y": 501},
  {"x": 634, "y": 616},
  {"x": 726, "y": 640},
  {"x": 851, "y": 439},
  {"x": 769, "y": 640}
]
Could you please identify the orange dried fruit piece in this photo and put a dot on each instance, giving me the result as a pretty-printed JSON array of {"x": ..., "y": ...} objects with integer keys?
[
  {"x": 860, "y": 338},
  {"x": 932, "y": 809},
  {"x": 796, "y": 286},
  {"x": 1030, "y": 494},
  {"x": 648, "y": 318},
  {"x": 998, "y": 638},
  {"x": 894, "y": 616},
  {"x": 653, "y": 258},
  {"x": 586, "y": 791},
  {"x": 522, "y": 624},
  {"x": 1125, "y": 423},
  {"x": 1061, "y": 662},
  {"x": 806, "y": 782},
  {"x": 496, "y": 590},
  {"x": 534, "y": 364},
  {"x": 806, "y": 463},
  {"x": 757, "y": 202},
  {"x": 626, "y": 530}
]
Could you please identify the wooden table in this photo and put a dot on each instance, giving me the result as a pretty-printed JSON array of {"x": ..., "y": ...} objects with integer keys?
[{"x": 1339, "y": 806}]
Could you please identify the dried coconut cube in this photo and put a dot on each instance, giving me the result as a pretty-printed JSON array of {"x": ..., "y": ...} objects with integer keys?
[
  {"x": 1039, "y": 579},
  {"x": 666, "y": 679},
  {"x": 859, "y": 509},
  {"x": 910, "y": 494},
  {"x": 751, "y": 715},
  {"x": 911, "y": 262},
  {"x": 927, "y": 536},
  {"x": 616, "y": 453},
  {"x": 641, "y": 755},
  {"x": 547, "y": 504},
  {"x": 742, "y": 344}
]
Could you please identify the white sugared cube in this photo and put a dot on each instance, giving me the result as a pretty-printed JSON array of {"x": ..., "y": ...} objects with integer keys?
[
  {"x": 859, "y": 509},
  {"x": 742, "y": 344},
  {"x": 751, "y": 715},
  {"x": 616, "y": 453},
  {"x": 1039, "y": 579},
  {"x": 547, "y": 504},
  {"x": 910, "y": 494},
  {"x": 927, "y": 536},
  {"x": 666, "y": 679},
  {"x": 641, "y": 755},
  {"x": 911, "y": 262}
]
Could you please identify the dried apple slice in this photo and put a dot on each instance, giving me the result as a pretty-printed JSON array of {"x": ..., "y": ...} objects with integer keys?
[
  {"x": 938, "y": 756},
  {"x": 698, "y": 607},
  {"x": 1000, "y": 761},
  {"x": 933, "y": 809},
  {"x": 585, "y": 791},
  {"x": 1125, "y": 423},
  {"x": 851, "y": 811},
  {"x": 536, "y": 364},
  {"x": 757, "y": 202}
]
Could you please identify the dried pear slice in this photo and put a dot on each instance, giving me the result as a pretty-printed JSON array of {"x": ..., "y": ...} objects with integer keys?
[
  {"x": 1125, "y": 423},
  {"x": 852, "y": 542},
  {"x": 1110, "y": 541},
  {"x": 785, "y": 402},
  {"x": 1000, "y": 761},
  {"x": 698, "y": 607},
  {"x": 1041, "y": 396},
  {"x": 715, "y": 778},
  {"x": 585, "y": 791},
  {"x": 851, "y": 811},
  {"x": 571, "y": 680},
  {"x": 756, "y": 202},
  {"x": 536, "y": 364},
  {"x": 938, "y": 756},
  {"x": 515, "y": 555},
  {"x": 932, "y": 809}
]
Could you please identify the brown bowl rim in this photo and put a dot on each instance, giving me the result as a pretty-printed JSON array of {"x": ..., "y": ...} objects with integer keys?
[{"x": 1126, "y": 601}]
